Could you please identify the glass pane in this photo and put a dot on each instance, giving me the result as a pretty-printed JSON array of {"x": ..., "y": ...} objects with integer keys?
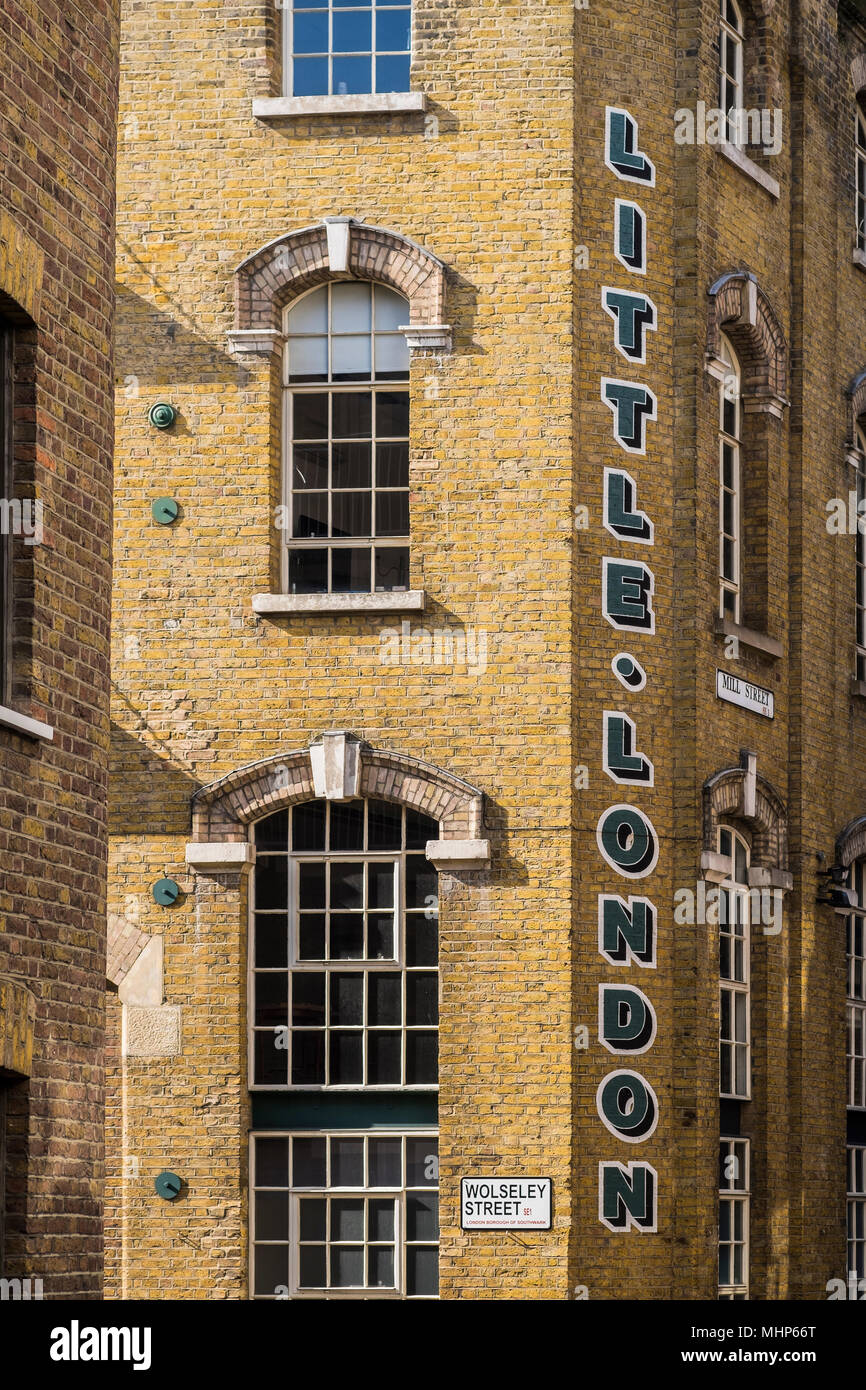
[
  {"x": 309, "y": 515},
  {"x": 422, "y": 1217},
  {"x": 310, "y": 77},
  {"x": 310, "y": 33},
  {"x": 353, "y": 32},
  {"x": 271, "y": 940},
  {"x": 740, "y": 1017},
  {"x": 346, "y": 1059},
  {"x": 392, "y": 355},
  {"x": 383, "y": 1058},
  {"x": 381, "y": 1219},
  {"x": 351, "y": 75},
  {"x": 420, "y": 829},
  {"x": 380, "y": 1267},
  {"x": 385, "y": 825},
  {"x": 273, "y": 831},
  {"x": 308, "y": 1160},
  {"x": 420, "y": 878},
  {"x": 380, "y": 937},
  {"x": 422, "y": 1270},
  {"x": 391, "y": 309},
  {"x": 422, "y": 1162},
  {"x": 728, "y": 513},
  {"x": 351, "y": 303},
  {"x": 384, "y": 1001},
  {"x": 271, "y": 882},
  {"x": 347, "y": 884},
  {"x": 347, "y": 825},
  {"x": 422, "y": 945},
  {"x": 310, "y": 314},
  {"x": 725, "y": 957},
  {"x": 272, "y": 1268},
  {"x": 272, "y": 1163},
  {"x": 311, "y": 885},
  {"x": 352, "y": 414},
  {"x": 741, "y": 873},
  {"x": 380, "y": 885},
  {"x": 269, "y": 1064},
  {"x": 392, "y": 31},
  {"x": 271, "y": 996},
  {"x": 727, "y": 466},
  {"x": 309, "y": 415},
  {"x": 308, "y": 826},
  {"x": 347, "y": 1266},
  {"x": 392, "y": 414},
  {"x": 724, "y": 1221},
  {"x": 742, "y": 1078},
  {"x": 308, "y": 1059},
  {"x": 350, "y": 570},
  {"x": 391, "y": 568},
  {"x": 347, "y": 936},
  {"x": 351, "y": 359},
  {"x": 308, "y": 999},
  {"x": 392, "y": 74},
  {"x": 347, "y": 998},
  {"x": 392, "y": 514},
  {"x": 314, "y": 1218},
  {"x": 724, "y": 1264},
  {"x": 728, "y": 560},
  {"x": 352, "y": 465},
  {"x": 310, "y": 466},
  {"x": 351, "y": 514},
  {"x": 347, "y": 1218},
  {"x": 272, "y": 1216},
  {"x": 422, "y": 1002},
  {"x": 311, "y": 936},
  {"x": 311, "y": 1266},
  {"x": 392, "y": 465},
  {"x": 308, "y": 359},
  {"x": 385, "y": 1162},
  {"x": 308, "y": 572},
  {"x": 347, "y": 1163},
  {"x": 421, "y": 1059}
]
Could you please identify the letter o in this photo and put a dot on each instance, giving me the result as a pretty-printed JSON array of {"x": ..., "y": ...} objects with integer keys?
[
  {"x": 615, "y": 1093},
  {"x": 627, "y": 841}
]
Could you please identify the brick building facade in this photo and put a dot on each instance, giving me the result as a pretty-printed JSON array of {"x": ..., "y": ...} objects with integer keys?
[
  {"x": 58, "y": 79},
  {"x": 482, "y": 572}
]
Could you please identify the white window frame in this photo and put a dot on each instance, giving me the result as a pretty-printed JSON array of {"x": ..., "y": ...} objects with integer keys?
[
  {"x": 288, "y": 8},
  {"x": 735, "y": 1195},
  {"x": 398, "y": 1194},
  {"x": 856, "y": 1215},
  {"x": 730, "y": 393},
  {"x": 397, "y": 966},
  {"x": 856, "y": 991},
  {"x": 731, "y": 84},
  {"x": 290, "y": 389},
  {"x": 860, "y": 179},
  {"x": 734, "y": 891}
]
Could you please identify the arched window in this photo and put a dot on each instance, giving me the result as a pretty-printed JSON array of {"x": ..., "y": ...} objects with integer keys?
[
  {"x": 731, "y": 65},
  {"x": 860, "y": 559},
  {"x": 730, "y": 485},
  {"x": 346, "y": 426},
  {"x": 861, "y": 178}
]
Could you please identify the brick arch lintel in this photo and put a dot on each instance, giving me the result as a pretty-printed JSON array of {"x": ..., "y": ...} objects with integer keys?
[
  {"x": 224, "y": 810},
  {"x": 856, "y": 393},
  {"x": 858, "y": 74},
  {"x": 851, "y": 842},
  {"x": 740, "y": 309},
  {"x": 725, "y": 796},
  {"x": 338, "y": 248}
]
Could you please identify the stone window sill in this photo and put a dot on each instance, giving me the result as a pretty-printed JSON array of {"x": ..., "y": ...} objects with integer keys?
[
  {"x": 22, "y": 724},
  {"x": 759, "y": 641},
  {"x": 859, "y": 258},
  {"x": 404, "y": 601},
  {"x": 368, "y": 104},
  {"x": 748, "y": 166},
  {"x": 858, "y": 687}
]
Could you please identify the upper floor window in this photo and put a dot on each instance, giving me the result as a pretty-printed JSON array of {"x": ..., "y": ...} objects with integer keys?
[
  {"x": 734, "y": 1182},
  {"x": 346, "y": 47},
  {"x": 347, "y": 440},
  {"x": 861, "y": 179},
  {"x": 345, "y": 988},
  {"x": 860, "y": 560},
  {"x": 730, "y": 64},
  {"x": 857, "y": 1214},
  {"x": 730, "y": 485},
  {"x": 857, "y": 992},
  {"x": 734, "y": 1023},
  {"x": 6, "y": 494}
]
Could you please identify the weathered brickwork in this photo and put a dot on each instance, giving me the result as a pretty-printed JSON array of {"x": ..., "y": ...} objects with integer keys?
[
  {"x": 58, "y": 77},
  {"x": 494, "y": 214}
]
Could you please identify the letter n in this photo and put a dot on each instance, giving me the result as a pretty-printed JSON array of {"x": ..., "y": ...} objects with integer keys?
[
  {"x": 626, "y": 930},
  {"x": 627, "y": 1195}
]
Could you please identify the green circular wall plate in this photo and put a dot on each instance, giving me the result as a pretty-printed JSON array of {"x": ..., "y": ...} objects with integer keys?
[
  {"x": 168, "y": 1185},
  {"x": 166, "y": 892},
  {"x": 162, "y": 415},
  {"x": 164, "y": 510}
]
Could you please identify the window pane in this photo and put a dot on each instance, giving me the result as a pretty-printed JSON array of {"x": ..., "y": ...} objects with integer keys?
[
  {"x": 392, "y": 355},
  {"x": 392, "y": 465},
  {"x": 310, "y": 466},
  {"x": 347, "y": 998},
  {"x": 310, "y": 77},
  {"x": 385, "y": 825},
  {"x": 391, "y": 568},
  {"x": 351, "y": 75},
  {"x": 380, "y": 937},
  {"x": 352, "y": 465},
  {"x": 271, "y": 940},
  {"x": 380, "y": 884},
  {"x": 383, "y": 1059},
  {"x": 313, "y": 1218},
  {"x": 308, "y": 1163},
  {"x": 347, "y": 1266},
  {"x": 352, "y": 414},
  {"x": 380, "y": 1267},
  {"x": 310, "y": 33},
  {"x": 311, "y": 936},
  {"x": 308, "y": 826},
  {"x": 422, "y": 1217},
  {"x": 308, "y": 999},
  {"x": 385, "y": 1162},
  {"x": 347, "y": 1162},
  {"x": 308, "y": 572},
  {"x": 422, "y": 1004},
  {"x": 391, "y": 309},
  {"x": 272, "y": 1216},
  {"x": 422, "y": 1270},
  {"x": 347, "y": 936},
  {"x": 392, "y": 514},
  {"x": 392, "y": 31},
  {"x": 311, "y": 1266},
  {"x": 308, "y": 1059},
  {"x": 384, "y": 1000},
  {"x": 347, "y": 826},
  {"x": 350, "y": 570},
  {"x": 346, "y": 1059},
  {"x": 309, "y": 415},
  {"x": 272, "y": 1268},
  {"x": 308, "y": 359},
  {"x": 310, "y": 515},
  {"x": 422, "y": 1162},
  {"x": 421, "y": 941},
  {"x": 392, "y": 74},
  {"x": 270, "y": 1065},
  {"x": 421, "y": 1059},
  {"x": 271, "y": 999},
  {"x": 273, "y": 831},
  {"x": 351, "y": 304},
  {"x": 347, "y": 884},
  {"x": 311, "y": 880},
  {"x": 353, "y": 32},
  {"x": 347, "y": 1218},
  {"x": 351, "y": 514},
  {"x": 420, "y": 879},
  {"x": 392, "y": 414},
  {"x": 310, "y": 314},
  {"x": 420, "y": 829},
  {"x": 271, "y": 881},
  {"x": 272, "y": 1162}
]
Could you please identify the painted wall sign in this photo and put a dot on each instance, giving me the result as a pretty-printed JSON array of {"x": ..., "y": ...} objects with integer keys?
[
  {"x": 505, "y": 1204},
  {"x": 627, "y": 841},
  {"x": 744, "y": 694}
]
